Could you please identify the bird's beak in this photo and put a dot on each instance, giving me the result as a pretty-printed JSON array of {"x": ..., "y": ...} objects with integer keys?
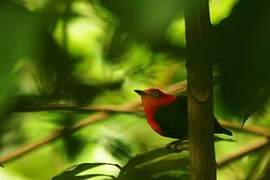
[{"x": 141, "y": 93}]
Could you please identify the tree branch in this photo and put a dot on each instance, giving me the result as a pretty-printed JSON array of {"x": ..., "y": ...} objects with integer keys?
[
  {"x": 200, "y": 90},
  {"x": 51, "y": 137},
  {"x": 104, "y": 112}
]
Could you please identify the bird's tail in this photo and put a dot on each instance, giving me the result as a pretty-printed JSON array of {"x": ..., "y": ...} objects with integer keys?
[
  {"x": 225, "y": 131},
  {"x": 220, "y": 129}
]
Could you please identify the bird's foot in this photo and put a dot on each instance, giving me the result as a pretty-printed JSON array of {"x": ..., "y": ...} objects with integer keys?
[{"x": 177, "y": 146}]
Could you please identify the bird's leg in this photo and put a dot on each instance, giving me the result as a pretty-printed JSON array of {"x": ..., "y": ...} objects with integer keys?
[{"x": 178, "y": 145}]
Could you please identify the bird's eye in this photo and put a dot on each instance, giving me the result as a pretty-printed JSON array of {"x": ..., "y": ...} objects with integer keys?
[{"x": 155, "y": 94}]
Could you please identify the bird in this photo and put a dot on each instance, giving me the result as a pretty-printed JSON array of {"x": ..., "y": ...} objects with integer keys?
[{"x": 167, "y": 114}]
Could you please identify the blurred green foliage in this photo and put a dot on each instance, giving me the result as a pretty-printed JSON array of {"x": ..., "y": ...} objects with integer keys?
[
  {"x": 243, "y": 57},
  {"x": 95, "y": 52}
]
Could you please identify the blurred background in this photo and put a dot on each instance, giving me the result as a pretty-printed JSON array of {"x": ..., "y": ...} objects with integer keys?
[{"x": 60, "y": 58}]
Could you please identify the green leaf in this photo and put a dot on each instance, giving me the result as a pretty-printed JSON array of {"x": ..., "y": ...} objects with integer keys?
[
  {"x": 155, "y": 169},
  {"x": 149, "y": 156},
  {"x": 17, "y": 24},
  {"x": 71, "y": 172},
  {"x": 155, "y": 164},
  {"x": 19, "y": 41},
  {"x": 88, "y": 176}
]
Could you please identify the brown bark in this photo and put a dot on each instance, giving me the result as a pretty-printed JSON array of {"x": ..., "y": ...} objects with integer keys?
[{"x": 199, "y": 78}]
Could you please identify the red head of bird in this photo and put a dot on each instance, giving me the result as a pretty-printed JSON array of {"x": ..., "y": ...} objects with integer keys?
[{"x": 152, "y": 100}]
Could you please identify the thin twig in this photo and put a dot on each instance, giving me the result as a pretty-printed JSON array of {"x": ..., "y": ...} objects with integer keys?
[
  {"x": 250, "y": 148},
  {"x": 129, "y": 107},
  {"x": 247, "y": 128},
  {"x": 74, "y": 108}
]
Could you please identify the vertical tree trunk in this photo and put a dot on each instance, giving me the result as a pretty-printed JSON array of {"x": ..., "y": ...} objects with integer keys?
[{"x": 199, "y": 76}]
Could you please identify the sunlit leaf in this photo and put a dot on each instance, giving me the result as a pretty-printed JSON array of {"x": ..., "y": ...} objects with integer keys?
[
  {"x": 15, "y": 43},
  {"x": 144, "y": 19},
  {"x": 20, "y": 30}
]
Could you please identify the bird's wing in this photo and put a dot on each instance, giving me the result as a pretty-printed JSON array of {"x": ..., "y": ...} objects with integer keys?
[{"x": 172, "y": 118}]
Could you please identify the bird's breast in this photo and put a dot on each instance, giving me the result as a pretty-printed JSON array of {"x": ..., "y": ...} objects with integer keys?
[
  {"x": 149, "y": 113},
  {"x": 154, "y": 125}
]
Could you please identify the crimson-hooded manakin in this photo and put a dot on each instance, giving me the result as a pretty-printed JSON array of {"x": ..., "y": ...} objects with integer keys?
[{"x": 167, "y": 114}]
